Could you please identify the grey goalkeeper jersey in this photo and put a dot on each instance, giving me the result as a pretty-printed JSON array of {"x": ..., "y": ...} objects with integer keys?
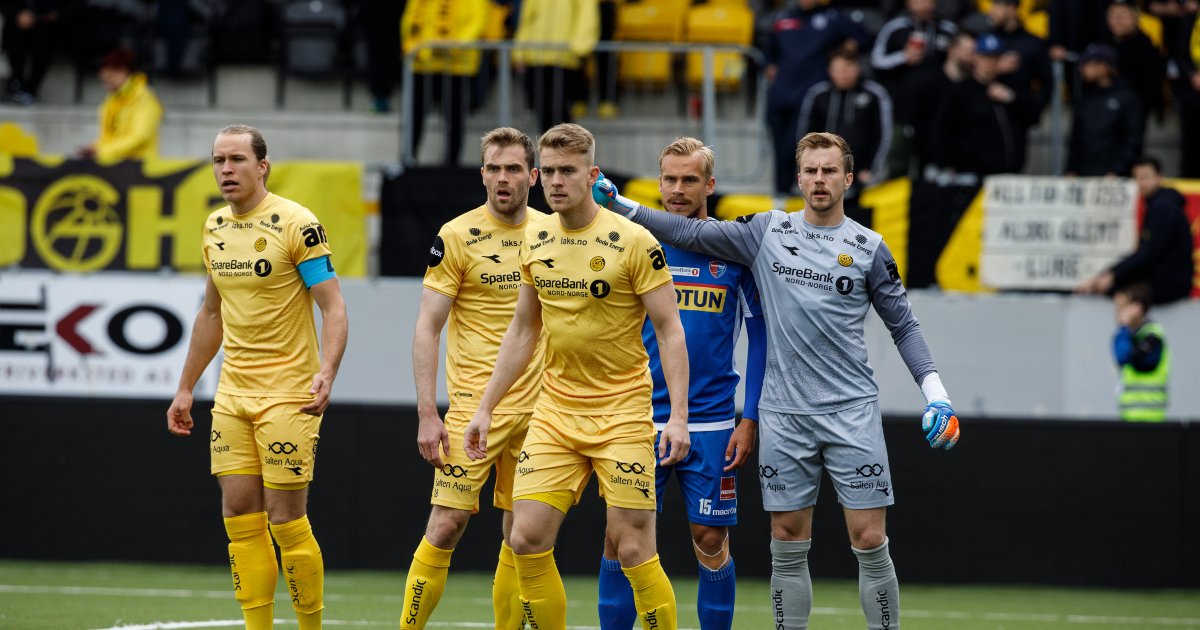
[{"x": 816, "y": 284}]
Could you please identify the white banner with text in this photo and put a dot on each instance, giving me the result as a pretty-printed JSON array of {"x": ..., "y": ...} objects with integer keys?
[
  {"x": 102, "y": 335},
  {"x": 1051, "y": 233}
]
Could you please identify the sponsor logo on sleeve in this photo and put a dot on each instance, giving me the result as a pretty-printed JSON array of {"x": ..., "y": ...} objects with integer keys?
[{"x": 437, "y": 251}]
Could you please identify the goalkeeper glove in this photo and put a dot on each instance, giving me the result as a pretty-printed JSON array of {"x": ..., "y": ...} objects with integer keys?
[
  {"x": 604, "y": 193},
  {"x": 940, "y": 425}
]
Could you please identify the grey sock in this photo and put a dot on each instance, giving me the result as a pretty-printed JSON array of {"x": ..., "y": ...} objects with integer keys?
[
  {"x": 791, "y": 584},
  {"x": 878, "y": 588}
]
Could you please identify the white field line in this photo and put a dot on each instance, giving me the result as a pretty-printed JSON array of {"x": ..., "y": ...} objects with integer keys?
[{"x": 1072, "y": 619}]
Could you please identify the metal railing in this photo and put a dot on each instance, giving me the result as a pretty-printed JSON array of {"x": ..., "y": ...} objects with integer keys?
[{"x": 731, "y": 120}]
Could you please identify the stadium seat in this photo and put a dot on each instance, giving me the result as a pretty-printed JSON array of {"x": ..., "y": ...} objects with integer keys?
[
  {"x": 312, "y": 34},
  {"x": 241, "y": 31},
  {"x": 730, "y": 207},
  {"x": 719, "y": 24},
  {"x": 649, "y": 21}
]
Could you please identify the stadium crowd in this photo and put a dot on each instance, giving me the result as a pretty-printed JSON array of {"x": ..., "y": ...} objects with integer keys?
[{"x": 1139, "y": 55}]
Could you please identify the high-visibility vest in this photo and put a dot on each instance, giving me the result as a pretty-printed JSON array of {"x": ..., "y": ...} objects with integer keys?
[{"x": 1143, "y": 395}]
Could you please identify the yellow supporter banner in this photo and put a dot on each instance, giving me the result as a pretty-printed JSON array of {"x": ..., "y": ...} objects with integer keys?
[{"x": 81, "y": 216}]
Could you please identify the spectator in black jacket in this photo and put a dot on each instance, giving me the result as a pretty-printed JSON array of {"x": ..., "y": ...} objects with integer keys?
[
  {"x": 856, "y": 109},
  {"x": 32, "y": 31},
  {"x": 1074, "y": 24},
  {"x": 1138, "y": 60},
  {"x": 909, "y": 50},
  {"x": 1163, "y": 258},
  {"x": 802, "y": 37},
  {"x": 1186, "y": 87},
  {"x": 1108, "y": 126},
  {"x": 1025, "y": 68},
  {"x": 972, "y": 132},
  {"x": 960, "y": 63}
]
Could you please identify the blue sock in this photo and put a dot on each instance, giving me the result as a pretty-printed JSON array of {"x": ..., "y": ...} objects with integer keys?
[
  {"x": 617, "y": 611},
  {"x": 715, "y": 596}
]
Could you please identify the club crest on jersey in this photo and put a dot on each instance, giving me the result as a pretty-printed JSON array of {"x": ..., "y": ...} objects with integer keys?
[
  {"x": 845, "y": 260},
  {"x": 717, "y": 268}
]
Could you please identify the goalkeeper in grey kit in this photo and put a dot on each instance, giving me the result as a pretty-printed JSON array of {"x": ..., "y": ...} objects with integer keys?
[{"x": 817, "y": 272}]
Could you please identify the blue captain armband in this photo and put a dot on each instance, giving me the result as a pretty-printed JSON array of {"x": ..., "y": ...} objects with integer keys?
[{"x": 314, "y": 271}]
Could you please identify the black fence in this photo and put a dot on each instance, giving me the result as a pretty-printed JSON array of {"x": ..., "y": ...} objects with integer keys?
[{"x": 1073, "y": 503}]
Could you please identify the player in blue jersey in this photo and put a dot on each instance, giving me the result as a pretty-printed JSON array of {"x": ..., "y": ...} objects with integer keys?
[{"x": 714, "y": 296}]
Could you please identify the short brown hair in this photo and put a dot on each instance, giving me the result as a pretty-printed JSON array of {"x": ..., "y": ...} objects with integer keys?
[
  {"x": 503, "y": 137},
  {"x": 571, "y": 138},
  {"x": 825, "y": 140},
  {"x": 119, "y": 58},
  {"x": 845, "y": 53},
  {"x": 257, "y": 143},
  {"x": 684, "y": 146},
  {"x": 1137, "y": 292}
]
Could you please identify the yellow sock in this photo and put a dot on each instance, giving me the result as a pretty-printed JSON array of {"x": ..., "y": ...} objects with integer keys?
[
  {"x": 425, "y": 584},
  {"x": 543, "y": 598},
  {"x": 506, "y": 597},
  {"x": 303, "y": 570},
  {"x": 652, "y": 595},
  {"x": 252, "y": 562}
]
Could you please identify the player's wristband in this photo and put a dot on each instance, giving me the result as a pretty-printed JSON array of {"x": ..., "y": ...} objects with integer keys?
[{"x": 931, "y": 387}]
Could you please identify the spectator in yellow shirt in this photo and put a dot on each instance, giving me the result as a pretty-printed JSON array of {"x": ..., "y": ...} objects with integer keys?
[
  {"x": 554, "y": 76},
  {"x": 129, "y": 116},
  {"x": 442, "y": 75}
]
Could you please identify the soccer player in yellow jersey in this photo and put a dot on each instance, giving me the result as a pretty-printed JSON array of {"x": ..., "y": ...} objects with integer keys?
[
  {"x": 473, "y": 280},
  {"x": 589, "y": 279},
  {"x": 267, "y": 260}
]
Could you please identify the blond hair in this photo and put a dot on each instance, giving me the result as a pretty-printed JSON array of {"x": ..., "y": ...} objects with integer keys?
[
  {"x": 504, "y": 137},
  {"x": 258, "y": 144},
  {"x": 825, "y": 140},
  {"x": 684, "y": 146},
  {"x": 570, "y": 138}
]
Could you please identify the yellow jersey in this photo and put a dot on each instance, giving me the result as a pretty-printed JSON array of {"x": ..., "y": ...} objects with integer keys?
[
  {"x": 270, "y": 337},
  {"x": 589, "y": 282},
  {"x": 475, "y": 260},
  {"x": 129, "y": 122}
]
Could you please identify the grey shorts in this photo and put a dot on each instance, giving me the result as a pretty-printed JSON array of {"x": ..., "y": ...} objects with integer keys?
[{"x": 849, "y": 444}]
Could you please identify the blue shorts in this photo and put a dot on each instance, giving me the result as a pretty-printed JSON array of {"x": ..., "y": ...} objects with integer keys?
[{"x": 709, "y": 492}]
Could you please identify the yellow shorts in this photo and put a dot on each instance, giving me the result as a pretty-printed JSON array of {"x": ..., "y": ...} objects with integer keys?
[
  {"x": 267, "y": 435},
  {"x": 458, "y": 484},
  {"x": 562, "y": 449}
]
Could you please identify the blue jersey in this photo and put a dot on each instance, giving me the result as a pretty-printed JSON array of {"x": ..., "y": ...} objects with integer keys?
[{"x": 713, "y": 296}]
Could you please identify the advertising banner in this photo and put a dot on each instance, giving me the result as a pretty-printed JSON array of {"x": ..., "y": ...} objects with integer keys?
[
  {"x": 103, "y": 335},
  {"x": 80, "y": 216},
  {"x": 1053, "y": 233}
]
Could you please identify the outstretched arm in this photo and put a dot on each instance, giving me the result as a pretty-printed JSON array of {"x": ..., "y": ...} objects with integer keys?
[{"x": 737, "y": 241}]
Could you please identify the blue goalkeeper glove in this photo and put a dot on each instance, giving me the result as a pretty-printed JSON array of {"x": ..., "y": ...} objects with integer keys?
[
  {"x": 605, "y": 194},
  {"x": 940, "y": 425}
]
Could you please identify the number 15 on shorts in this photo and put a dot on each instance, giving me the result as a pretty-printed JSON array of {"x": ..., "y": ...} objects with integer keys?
[{"x": 706, "y": 506}]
